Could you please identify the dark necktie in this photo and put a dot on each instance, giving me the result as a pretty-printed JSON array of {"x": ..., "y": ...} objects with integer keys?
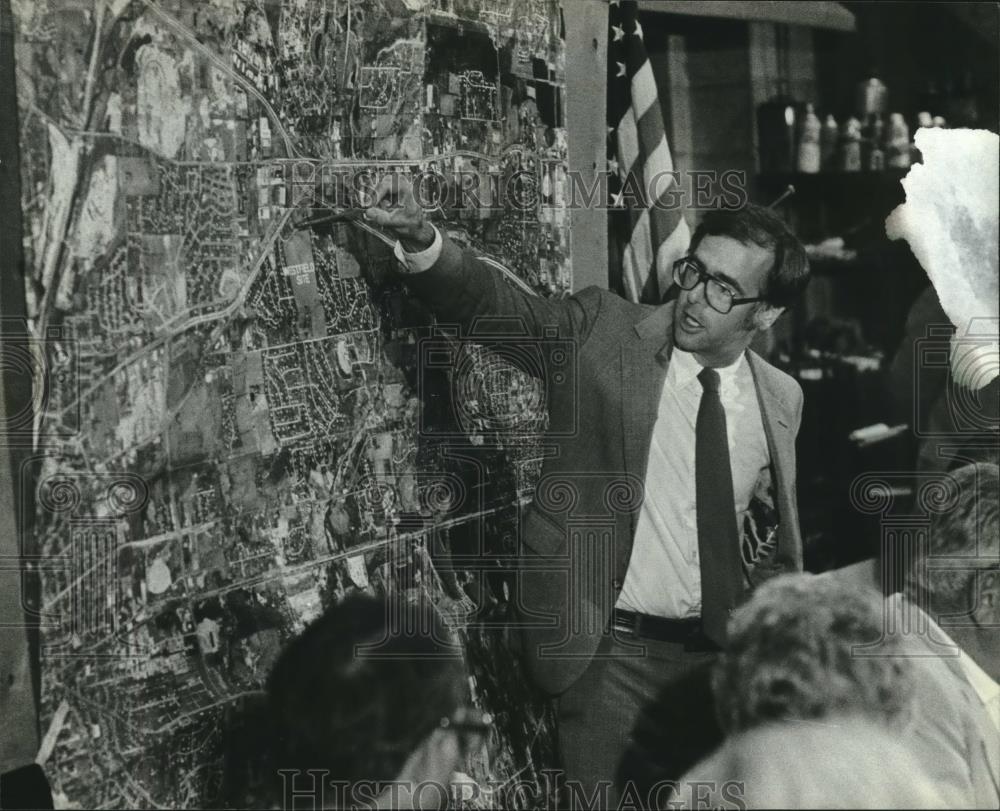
[{"x": 718, "y": 539}]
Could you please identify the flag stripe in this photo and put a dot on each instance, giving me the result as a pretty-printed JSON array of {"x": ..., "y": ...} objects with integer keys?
[
  {"x": 628, "y": 141},
  {"x": 633, "y": 288},
  {"x": 642, "y": 146},
  {"x": 650, "y": 128},
  {"x": 644, "y": 90},
  {"x": 664, "y": 222},
  {"x": 641, "y": 245},
  {"x": 649, "y": 232},
  {"x": 657, "y": 164}
]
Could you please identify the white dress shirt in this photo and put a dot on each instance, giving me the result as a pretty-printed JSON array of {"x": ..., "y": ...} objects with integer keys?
[{"x": 664, "y": 573}]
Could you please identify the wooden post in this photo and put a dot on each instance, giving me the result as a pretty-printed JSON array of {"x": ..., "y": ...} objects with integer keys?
[
  {"x": 586, "y": 92},
  {"x": 18, "y": 716}
]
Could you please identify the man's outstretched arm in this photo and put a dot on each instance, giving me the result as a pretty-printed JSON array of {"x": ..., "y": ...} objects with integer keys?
[{"x": 456, "y": 285}]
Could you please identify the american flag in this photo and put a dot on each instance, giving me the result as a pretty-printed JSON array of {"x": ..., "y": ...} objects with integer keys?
[{"x": 645, "y": 233}]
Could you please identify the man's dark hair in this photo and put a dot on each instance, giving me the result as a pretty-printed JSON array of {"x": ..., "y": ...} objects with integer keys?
[
  {"x": 967, "y": 528},
  {"x": 789, "y": 275},
  {"x": 359, "y": 690}
]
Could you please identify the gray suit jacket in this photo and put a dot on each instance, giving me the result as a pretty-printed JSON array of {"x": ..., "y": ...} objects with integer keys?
[{"x": 577, "y": 535}]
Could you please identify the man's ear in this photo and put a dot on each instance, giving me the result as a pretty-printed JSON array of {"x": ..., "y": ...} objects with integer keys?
[{"x": 764, "y": 317}]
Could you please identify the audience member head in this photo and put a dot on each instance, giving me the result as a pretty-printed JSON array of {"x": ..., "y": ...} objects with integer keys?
[
  {"x": 958, "y": 583},
  {"x": 794, "y": 654},
  {"x": 840, "y": 762},
  {"x": 375, "y": 690}
]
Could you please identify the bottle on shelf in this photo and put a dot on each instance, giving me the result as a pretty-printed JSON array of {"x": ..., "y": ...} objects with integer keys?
[
  {"x": 828, "y": 143},
  {"x": 872, "y": 156},
  {"x": 898, "y": 143},
  {"x": 866, "y": 139},
  {"x": 872, "y": 96},
  {"x": 809, "y": 143},
  {"x": 876, "y": 157},
  {"x": 878, "y": 130},
  {"x": 850, "y": 147}
]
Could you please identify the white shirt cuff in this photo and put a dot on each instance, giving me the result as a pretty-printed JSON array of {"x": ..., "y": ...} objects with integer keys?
[{"x": 421, "y": 260}]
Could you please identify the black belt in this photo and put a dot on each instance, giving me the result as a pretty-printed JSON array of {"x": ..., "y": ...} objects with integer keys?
[{"x": 686, "y": 632}]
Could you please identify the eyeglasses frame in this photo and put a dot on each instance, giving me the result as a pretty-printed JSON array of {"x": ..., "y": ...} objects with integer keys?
[{"x": 704, "y": 277}]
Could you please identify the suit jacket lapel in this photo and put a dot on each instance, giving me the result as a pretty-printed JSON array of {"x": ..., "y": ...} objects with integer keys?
[
  {"x": 645, "y": 355},
  {"x": 777, "y": 417},
  {"x": 774, "y": 413}
]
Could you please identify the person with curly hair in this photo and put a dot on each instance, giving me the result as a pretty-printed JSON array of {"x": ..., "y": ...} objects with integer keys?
[{"x": 797, "y": 652}]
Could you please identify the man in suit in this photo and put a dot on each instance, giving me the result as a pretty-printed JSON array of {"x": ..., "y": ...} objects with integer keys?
[
  {"x": 948, "y": 623},
  {"x": 682, "y": 434}
]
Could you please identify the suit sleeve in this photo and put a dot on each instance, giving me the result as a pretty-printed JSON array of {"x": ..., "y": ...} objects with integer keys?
[
  {"x": 799, "y": 402},
  {"x": 460, "y": 288},
  {"x": 794, "y": 477}
]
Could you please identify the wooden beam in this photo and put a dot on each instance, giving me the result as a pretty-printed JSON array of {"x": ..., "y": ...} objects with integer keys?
[
  {"x": 811, "y": 13},
  {"x": 586, "y": 124},
  {"x": 18, "y": 715},
  {"x": 681, "y": 135}
]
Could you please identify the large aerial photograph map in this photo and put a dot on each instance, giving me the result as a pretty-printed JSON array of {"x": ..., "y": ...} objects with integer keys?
[
  {"x": 234, "y": 433},
  {"x": 499, "y": 404}
]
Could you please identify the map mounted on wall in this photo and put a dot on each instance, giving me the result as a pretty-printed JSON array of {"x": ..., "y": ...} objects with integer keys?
[{"x": 238, "y": 425}]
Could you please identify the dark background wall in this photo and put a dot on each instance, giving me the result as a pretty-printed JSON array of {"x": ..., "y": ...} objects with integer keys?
[{"x": 930, "y": 55}]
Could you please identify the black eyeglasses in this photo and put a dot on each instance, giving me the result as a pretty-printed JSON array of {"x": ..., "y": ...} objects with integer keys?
[{"x": 689, "y": 273}]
